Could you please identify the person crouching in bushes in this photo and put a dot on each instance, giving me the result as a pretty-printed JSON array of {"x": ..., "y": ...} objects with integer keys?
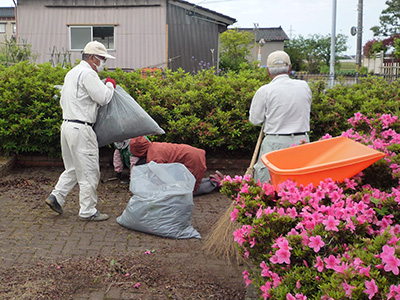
[
  {"x": 122, "y": 157},
  {"x": 193, "y": 158}
]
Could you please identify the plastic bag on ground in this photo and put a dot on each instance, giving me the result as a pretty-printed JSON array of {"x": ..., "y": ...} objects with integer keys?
[
  {"x": 162, "y": 201},
  {"x": 123, "y": 118}
]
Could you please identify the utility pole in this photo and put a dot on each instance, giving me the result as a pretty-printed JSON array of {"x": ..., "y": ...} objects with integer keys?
[
  {"x": 333, "y": 42},
  {"x": 359, "y": 35}
]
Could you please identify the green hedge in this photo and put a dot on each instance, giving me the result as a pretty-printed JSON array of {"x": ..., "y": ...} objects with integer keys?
[{"x": 204, "y": 110}]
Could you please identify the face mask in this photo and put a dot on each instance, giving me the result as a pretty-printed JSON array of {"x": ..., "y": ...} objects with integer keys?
[{"x": 100, "y": 68}]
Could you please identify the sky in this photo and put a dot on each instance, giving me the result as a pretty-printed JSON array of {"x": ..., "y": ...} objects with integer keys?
[
  {"x": 296, "y": 17},
  {"x": 301, "y": 17}
]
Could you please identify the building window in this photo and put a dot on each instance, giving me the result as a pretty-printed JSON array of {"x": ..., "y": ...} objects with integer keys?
[
  {"x": 14, "y": 28},
  {"x": 2, "y": 27},
  {"x": 81, "y": 35}
]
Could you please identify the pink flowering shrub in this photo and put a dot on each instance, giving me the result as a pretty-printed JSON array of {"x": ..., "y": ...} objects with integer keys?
[{"x": 331, "y": 241}]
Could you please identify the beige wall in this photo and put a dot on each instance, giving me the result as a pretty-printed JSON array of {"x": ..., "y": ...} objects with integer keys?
[
  {"x": 374, "y": 64},
  {"x": 268, "y": 48},
  {"x": 140, "y": 32}
]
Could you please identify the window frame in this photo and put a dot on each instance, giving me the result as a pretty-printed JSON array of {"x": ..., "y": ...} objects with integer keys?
[
  {"x": 5, "y": 28},
  {"x": 91, "y": 27}
]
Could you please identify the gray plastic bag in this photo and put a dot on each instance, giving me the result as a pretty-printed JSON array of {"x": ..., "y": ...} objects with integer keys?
[
  {"x": 123, "y": 118},
  {"x": 162, "y": 201}
]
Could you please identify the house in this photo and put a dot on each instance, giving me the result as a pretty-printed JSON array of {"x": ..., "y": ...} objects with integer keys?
[
  {"x": 266, "y": 41},
  {"x": 7, "y": 24},
  {"x": 139, "y": 33}
]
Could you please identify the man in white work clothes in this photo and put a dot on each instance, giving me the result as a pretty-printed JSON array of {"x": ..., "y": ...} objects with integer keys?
[
  {"x": 284, "y": 107},
  {"x": 81, "y": 96}
]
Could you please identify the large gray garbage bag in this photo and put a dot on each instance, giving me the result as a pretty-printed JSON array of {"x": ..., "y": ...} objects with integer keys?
[
  {"x": 162, "y": 201},
  {"x": 123, "y": 118}
]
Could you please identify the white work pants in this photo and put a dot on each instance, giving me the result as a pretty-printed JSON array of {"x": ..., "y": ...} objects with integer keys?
[
  {"x": 272, "y": 143},
  {"x": 80, "y": 154}
]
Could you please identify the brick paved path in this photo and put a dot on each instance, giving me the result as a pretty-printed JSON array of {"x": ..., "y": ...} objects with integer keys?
[{"x": 30, "y": 232}]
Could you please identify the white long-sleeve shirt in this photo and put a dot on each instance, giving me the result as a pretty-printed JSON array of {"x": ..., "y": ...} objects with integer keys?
[
  {"x": 83, "y": 92},
  {"x": 283, "y": 106}
]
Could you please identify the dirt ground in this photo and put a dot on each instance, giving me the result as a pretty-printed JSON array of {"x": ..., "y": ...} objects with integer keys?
[{"x": 46, "y": 256}]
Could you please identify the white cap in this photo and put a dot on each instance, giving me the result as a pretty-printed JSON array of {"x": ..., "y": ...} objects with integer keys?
[
  {"x": 278, "y": 59},
  {"x": 97, "y": 48}
]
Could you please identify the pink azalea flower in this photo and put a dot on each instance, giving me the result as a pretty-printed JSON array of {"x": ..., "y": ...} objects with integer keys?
[
  {"x": 283, "y": 256},
  {"x": 274, "y": 259},
  {"x": 265, "y": 289},
  {"x": 390, "y": 262},
  {"x": 331, "y": 223},
  {"x": 350, "y": 184},
  {"x": 370, "y": 288},
  {"x": 393, "y": 240},
  {"x": 283, "y": 244},
  {"x": 246, "y": 253},
  {"x": 365, "y": 271},
  {"x": 239, "y": 237},
  {"x": 316, "y": 243},
  {"x": 268, "y": 188},
  {"x": 275, "y": 279},
  {"x": 247, "y": 177},
  {"x": 298, "y": 284},
  {"x": 246, "y": 277},
  {"x": 342, "y": 268},
  {"x": 331, "y": 262},
  {"x": 290, "y": 297},
  {"x": 259, "y": 212},
  {"x": 319, "y": 265},
  {"x": 265, "y": 272},
  {"x": 357, "y": 262},
  {"x": 292, "y": 212},
  {"x": 394, "y": 292},
  {"x": 348, "y": 289},
  {"x": 245, "y": 189},
  {"x": 234, "y": 214}
]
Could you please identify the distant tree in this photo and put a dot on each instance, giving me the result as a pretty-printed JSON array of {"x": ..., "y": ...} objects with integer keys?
[
  {"x": 294, "y": 48},
  {"x": 235, "y": 48},
  {"x": 309, "y": 54},
  {"x": 389, "y": 20},
  {"x": 389, "y": 46}
]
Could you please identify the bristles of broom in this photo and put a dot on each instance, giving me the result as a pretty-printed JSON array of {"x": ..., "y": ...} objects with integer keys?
[{"x": 220, "y": 241}]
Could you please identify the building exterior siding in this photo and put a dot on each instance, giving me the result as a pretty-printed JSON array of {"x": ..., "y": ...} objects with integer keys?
[
  {"x": 274, "y": 38},
  {"x": 147, "y": 33},
  {"x": 7, "y": 19},
  {"x": 139, "y": 31},
  {"x": 191, "y": 40}
]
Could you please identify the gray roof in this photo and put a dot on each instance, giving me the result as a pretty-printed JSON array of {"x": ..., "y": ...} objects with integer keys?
[
  {"x": 7, "y": 12},
  {"x": 268, "y": 34},
  {"x": 194, "y": 8}
]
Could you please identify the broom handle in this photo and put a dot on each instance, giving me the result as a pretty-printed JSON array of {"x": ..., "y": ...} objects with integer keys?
[{"x": 255, "y": 154}]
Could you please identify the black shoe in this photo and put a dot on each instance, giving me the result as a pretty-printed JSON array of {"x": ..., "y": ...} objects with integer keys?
[{"x": 51, "y": 201}]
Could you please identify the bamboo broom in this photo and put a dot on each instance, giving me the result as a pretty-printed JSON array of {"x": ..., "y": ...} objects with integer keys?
[{"x": 220, "y": 240}]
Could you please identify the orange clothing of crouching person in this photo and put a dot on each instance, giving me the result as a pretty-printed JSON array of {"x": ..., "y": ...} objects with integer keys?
[{"x": 193, "y": 158}]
